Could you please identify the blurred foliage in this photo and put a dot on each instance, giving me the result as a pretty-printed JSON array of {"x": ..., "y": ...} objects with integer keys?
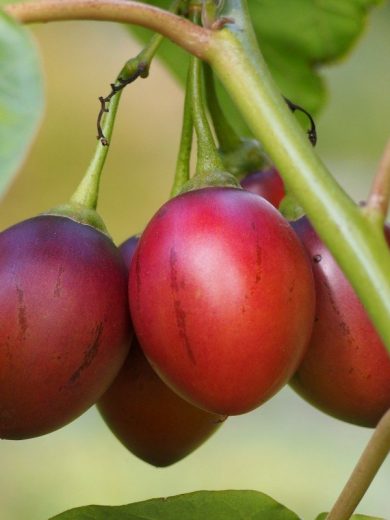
[
  {"x": 21, "y": 96},
  {"x": 296, "y": 37}
]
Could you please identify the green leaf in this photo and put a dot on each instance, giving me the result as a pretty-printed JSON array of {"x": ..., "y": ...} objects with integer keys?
[
  {"x": 322, "y": 516},
  {"x": 296, "y": 38},
  {"x": 201, "y": 505},
  {"x": 21, "y": 96}
]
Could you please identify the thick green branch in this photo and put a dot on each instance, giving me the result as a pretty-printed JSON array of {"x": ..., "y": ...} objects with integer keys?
[
  {"x": 357, "y": 243},
  {"x": 191, "y": 37}
]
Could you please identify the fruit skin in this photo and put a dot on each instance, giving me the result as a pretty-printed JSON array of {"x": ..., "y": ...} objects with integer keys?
[
  {"x": 346, "y": 369},
  {"x": 150, "y": 420},
  {"x": 267, "y": 183},
  {"x": 65, "y": 329},
  {"x": 127, "y": 250},
  {"x": 222, "y": 298}
]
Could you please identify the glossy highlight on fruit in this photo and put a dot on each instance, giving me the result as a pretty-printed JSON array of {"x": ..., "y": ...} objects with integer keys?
[
  {"x": 65, "y": 329},
  {"x": 150, "y": 420},
  {"x": 267, "y": 183},
  {"x": 222, "y": 298},
  {"x": 346, "y": 369}
]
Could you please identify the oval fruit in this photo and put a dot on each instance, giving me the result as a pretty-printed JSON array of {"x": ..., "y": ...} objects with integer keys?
[
  {"x": 222, "y": 298},
  {"x": 65, "y": 329},
  {"x": 148, "y": 418},
  {"x": 346, "y": 369},
  {"x": 267, "y": 183}
]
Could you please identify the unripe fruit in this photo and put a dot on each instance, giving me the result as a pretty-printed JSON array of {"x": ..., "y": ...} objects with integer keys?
[
  {"x": 65, "y": 329},
  {"x": 148, "y": 418},
  {"x": 346, "y": 369},
  {"x": 222, "y": 298},
  {"x": 267, "y": 183}
]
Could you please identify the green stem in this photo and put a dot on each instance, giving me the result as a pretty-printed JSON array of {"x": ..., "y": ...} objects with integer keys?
[
  {"x": 358, "y": 245},
  {"x": 87, "y": 191},
  {"x": 182, "y": 173},
  {"x": 208, "y": 159},
  {"x": 148, "y": 52},
  {"x": 365, "y": 470},
  {"x": 228, "y": 139}
]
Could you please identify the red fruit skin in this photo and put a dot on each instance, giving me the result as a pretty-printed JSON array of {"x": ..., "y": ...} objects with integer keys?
[
  {"x": 266, "y": 183},
  {"x": 346, "y": 369},
  {"x": 150, "y": 420},
  {"x": 65, "y": 329},
  {"x": 222, "y": 298}
]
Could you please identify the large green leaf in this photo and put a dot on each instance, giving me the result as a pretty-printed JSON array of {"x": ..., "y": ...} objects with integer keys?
[
  {"x": 296, "y": 38},
  {"x": 202, "y": 505},
  {"x": 21, "y": 96}
]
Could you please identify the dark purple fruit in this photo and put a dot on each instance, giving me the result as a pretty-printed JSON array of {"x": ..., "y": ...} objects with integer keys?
[{"x": 65, "y": 329}]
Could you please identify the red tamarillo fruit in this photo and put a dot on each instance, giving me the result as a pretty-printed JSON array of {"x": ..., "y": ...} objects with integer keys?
[
  {"x": 222, "y": 298},
  {"x": 65, "y": 329},
  {"x": 151, "y": 420},
  {"x": 346, "y": 369}
]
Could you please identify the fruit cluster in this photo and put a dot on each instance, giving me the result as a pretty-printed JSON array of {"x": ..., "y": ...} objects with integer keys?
[{"x": 229, "y": 303}]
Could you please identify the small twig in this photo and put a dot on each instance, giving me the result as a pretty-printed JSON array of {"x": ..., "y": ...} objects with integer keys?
[
  {"x": 137, "y": 67},
  {"x": 365, "y": 470},
  {"x": 378, "y": 199},
  {"x": 312, "y": 132},
  {"x": 142, "y": 71},
  {"x": 102, "y": 110}
]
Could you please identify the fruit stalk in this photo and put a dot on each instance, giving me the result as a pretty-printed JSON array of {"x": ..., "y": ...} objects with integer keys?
[
  {"x": 365, "y": 470},
  {"x": 227, "y": 136},
  {"x": 208, "y": 159},
  {"x": 87, "y": 192},
  {"x": 182, "y": 173}
]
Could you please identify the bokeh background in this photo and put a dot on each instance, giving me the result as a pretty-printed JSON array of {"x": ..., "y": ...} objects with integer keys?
[{"x": 286, "y": 448}]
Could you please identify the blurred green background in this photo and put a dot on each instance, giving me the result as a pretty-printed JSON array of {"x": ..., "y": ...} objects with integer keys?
[{"x": 286, "y": 449}]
